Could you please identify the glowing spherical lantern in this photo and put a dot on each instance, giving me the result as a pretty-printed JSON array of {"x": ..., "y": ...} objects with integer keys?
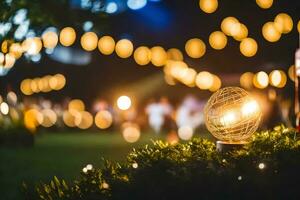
[
  {"x": 264, "y": 4},
  {"x": 124, "y": 48},
  {"x": 131, "y": 132},
  {"x": 232, "y": 115},
  {"x": 208, "y": 6},
  {"x": 228, "y": 24},
  {"x": 270, "y": 32},
  {"x": 174, "y": 54},
  {"x": 242, "y": 33},
  {"x": 261, "y": 80},
  {"x": 248, "y": 47},
  {"x": 278, "y": 78},
  {"x": 142, "y": 55},
  {"x": 204, "y": 80},
  {"x": 103, "y": 119},
  {"x": 124, "y": 102},
  {"x": 89, "y": 41},
  {"x": 195, "y": 48},
  {"x": 246, "y": 80},
  {"x": 67, "y": 36},
  {"x": 50, "y": 39},
  {"x": 283, "y": 23},
  {"x": 217, "y": 40},
  {"x": 158, "y": 56},
  {"x": 106, "y": 45}
]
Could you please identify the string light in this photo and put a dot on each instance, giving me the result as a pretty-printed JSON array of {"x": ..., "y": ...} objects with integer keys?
[
  {"x": 195, "y": 48},
  {"x": 67, "y": 36},
  {"x": 248, "y": 47},
  {"x": 283, "y": 23},
  {"x": 124, "y": 102},
  {"x": 124, "y": 48},
  {"x": 158, "y": 56},
  {"x": 89, "y": 41},
  {"x": 142, "y": 55},
  {"x": 106, "y": 45},
  {"x": 264, "y": 4},
  {"x": 270, "y": 32},
  {"x": 208, "y": 6},
  {"x": 217, "y": 40}
]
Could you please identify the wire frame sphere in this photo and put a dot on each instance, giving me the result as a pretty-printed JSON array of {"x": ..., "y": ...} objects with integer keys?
[{"x": 232, "y": 115}]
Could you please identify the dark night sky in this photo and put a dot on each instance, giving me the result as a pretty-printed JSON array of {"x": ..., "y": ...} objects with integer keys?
[{"x": 169, "y": 23}]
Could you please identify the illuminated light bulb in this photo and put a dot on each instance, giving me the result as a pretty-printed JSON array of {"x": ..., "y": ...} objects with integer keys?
[
  {"x": 103, "y": 119},
  {"x": 217, "y": 40},
  {"x": 246, "y": 80},
  {"x": 158, "y": 56},
  {"x": 217, "y": 83},
  {"x": 242, "y": 34},
  {"x": 264, "y": 4},
  {"x": 142, "y": 55},
  {"x": 261, "y": 166},
  {"x": 283, "y": 23},
  {"x": 135, "y": 165},
  {"x": 228, "y": 117},
  {"x": 67, "y": 36},
  {"x": 185, "y": 132},
  {"x": 131, "y": 132},
  {"x": 4, "y": 108},
  {"x": 278, "y": 78},
  {"x": 174, "y": 54},
  {"x": 89, "y": 41},
  {"x": 250, "y": 107},
  {"x": 124, "y": 102},
  {"x": 124, "y": 48},
  {"x": 248, "y": 47},
  {"x": 76, "y": 105},
  {"x": 204, "y": 80},
  {"x": 195, "y": 48},
  {"x": 208, "y": 6},
  {"x": 85, "y": 120},
  {"x": 261, "y": 80},
  {"x": 49, "y": 118},
  {"x": 228, "y": 24},
  {"x": 25, "y": 87},
  {"x": 32, "y": 46},
  {"x": 106, "y": 45},
  {"x": 50, "y": 39},
  {"x": 270, "y": 32},
  {"x": 291, "y": 72},
  {"x": 16, "y": 50}
]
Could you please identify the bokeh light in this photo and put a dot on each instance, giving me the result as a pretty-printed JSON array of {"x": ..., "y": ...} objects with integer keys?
[
  {"x": 261, "y": 80},
  {"x": 185, "y": 132},
  {"x": 228, "y": 24},
  {"x": 67, "y": 36},
  {"x": 76, "y": 105},
  {"x": 283, "y": 23},
  {"x": 4, "y": 108},
  {"x": 136, "y": 4},
  {"x": 16, "y": 50},
  {"x": 89, "y": 41},
  {"x": 124, "y": 48},
  {"x": 292, "y": 72},
  {"x": 111, "y": 7},
  {"x": 242, "y": 32},
  {"x": 278, "y": 78},
  {"x": 142, "y": 55},
  {"x": 217, "y": 83},
  {"x": 270, "y": 32},
  {"x": 103, "y": 119},
  {"x": 106, "y": 45},
  {"x": 248, "y": 47},
  {"x": 174, "y": 54},
  {"x": 208, "y": 6},
  {"x": 32, "y": 46},
  {"x": 246, "y": 80},
  {"x": 264, "y": 4},
  {"x": 124, "y": 102},
  {"x": 217, "y": 40},
  {"x": 195, "y": 48},
  {"x": 131, "y": 132},
  {"x": 84, "y": 120},
  {"x": 49, "y": 118},
  {"x": 50, "y": 39},
  {"x": 158, "y": 56},
  {"x": 204, "y": 80}
]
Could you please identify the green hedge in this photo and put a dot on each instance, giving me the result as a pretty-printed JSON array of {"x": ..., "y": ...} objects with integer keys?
[{"x": 267, "y": 168}]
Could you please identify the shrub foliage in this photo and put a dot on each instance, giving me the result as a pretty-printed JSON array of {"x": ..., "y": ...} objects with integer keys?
[{"x": 266, "y": 168}]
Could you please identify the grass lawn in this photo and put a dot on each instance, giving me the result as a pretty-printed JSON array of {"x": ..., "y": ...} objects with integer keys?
[{"x": 60, "y": 154}]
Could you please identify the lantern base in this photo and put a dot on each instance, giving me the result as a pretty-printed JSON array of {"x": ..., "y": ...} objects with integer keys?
[{"x": 225, "y": 147}]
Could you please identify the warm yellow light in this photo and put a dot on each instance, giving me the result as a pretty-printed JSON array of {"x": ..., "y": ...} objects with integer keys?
[
  {"x": 69, "y": 118},
  {"x": 248, "y": 47},
  {"x": 85, "y": 120},
  {"x": 124, "y": 102},
  {"x": 32, "y": 46},
  {"x": 124, "y": 48},
  {"x": 185, "y": 132},
  {"x": 76, "y": 105},
  {"x": 217, "y": 83},
  {"x": 264, "y": 4},
  {"x": 278, "y": 78},
  {"x": 32, "y": 119},
  {"x": 270, "y": 32},
  {"x": 217, "y": 40},
  {"x": 242, "y": 32},
  {"x": 195, "y": 48},
  {"x": 106, "y": 45},
  {"x": 249, "y": 108},
  {"x": 89, "y": 41},
  {"x": 204, "y": 80},
  {"x": 208, "y": 6},
  {"x": 25, "y": 87},
  {"x": 131, "y": 132},
  {"x": 283, "y": 23},
  {"x": 4, "y": 108},
  {"x": 142, "y": 55},
  {"x": 49, "y": 118},
  {"x": 174, "y": 54},
  {"x": 50, "y": 39},
  {"x": 246, "y": 80},
  {"x": 158, "y": 56},
  {"x": 261, "y": 80},
  {"x": 228, "y": 119},
  {"x": 60, "y": 82},
  {"x": 292, "y": 73},
  {"x": 67, "y": 36},
  {"x": 12, "y": 98},
  {"x": 298, "y": 26},
  {"x": 34, "y": 85},
  {"x": 16, "y": 50},
  {"x": 103, "y": 119},
  {"x": 9, "y": 60},
  {"x": 228, "y": 25}
]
